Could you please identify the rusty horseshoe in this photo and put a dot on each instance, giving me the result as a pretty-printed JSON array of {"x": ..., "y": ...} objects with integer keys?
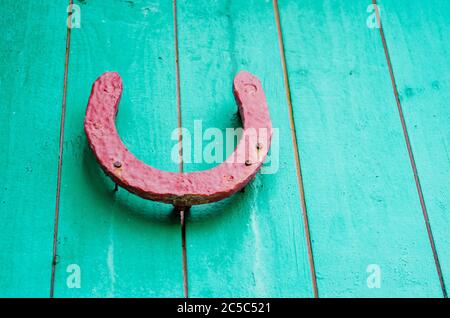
[{"x": 179, "y": 189}]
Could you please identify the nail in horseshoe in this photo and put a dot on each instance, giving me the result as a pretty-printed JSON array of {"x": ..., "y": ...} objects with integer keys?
[{"x": 179, "y": 189}]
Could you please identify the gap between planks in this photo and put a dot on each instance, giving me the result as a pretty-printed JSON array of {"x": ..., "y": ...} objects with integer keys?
[
  {"x": 296, "y": 149},
  {"x": 61, "y": 147},
  {"x": 410, "y": 151},
  {"x": 184, "y": 211}
]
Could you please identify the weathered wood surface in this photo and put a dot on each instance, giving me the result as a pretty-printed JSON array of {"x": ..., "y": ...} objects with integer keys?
[
  {"x": 360, "y": 192},
  {"x": 32, "y": 49},
  {"x": 125, "y": 246},
  {"x": 418, "y": 37},
  {"x": 254, "y": 243}
]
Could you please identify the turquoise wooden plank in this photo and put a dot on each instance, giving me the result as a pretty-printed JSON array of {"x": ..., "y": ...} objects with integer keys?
[
  {"x": 32, "y": 48},
  {"x": 417, "y": 34},
  {"x": 252, "y": 244},
  {"x": 124, "y": 246},
  {"x": 361, "y": 198}
]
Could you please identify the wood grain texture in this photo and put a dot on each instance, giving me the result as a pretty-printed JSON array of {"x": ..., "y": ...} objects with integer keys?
[
  {"x": 125, "y": 246},
  {"x": 252, "y": 244},
  {"x": 360, "y": 191},
  {"x": 32, "y": 47},
  {"x": 418, "y": 34}
]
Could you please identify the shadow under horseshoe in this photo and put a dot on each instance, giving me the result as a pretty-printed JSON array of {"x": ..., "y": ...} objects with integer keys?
[{"x": 128, "y": 204}]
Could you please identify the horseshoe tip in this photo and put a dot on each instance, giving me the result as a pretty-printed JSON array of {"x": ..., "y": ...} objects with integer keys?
[
  {"x": 244, "y": 78},
  {"x": 241, "y": 75},
  {"x": 109, "y": 82},
  {"x": 111, "y": 76}
]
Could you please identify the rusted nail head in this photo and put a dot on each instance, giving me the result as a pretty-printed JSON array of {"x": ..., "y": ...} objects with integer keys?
[
  {"x": 117, "y": 164},
  {"x": 248, "y": 163}
]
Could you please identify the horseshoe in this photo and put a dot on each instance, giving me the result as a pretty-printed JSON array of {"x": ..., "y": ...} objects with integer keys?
[{"x": 179, "y": 189}]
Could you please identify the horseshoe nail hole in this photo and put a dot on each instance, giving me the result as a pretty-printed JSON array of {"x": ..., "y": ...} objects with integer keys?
[
  {"x": 108, "y": 89},
  {"x": 230, "y": 178},
  {"x": 250, "y": 89},
  {"x": 117, "y": 164},
  {"x": 259, "y": 146}
]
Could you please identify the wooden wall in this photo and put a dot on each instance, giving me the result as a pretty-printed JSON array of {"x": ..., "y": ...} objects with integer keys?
[{"x": 363, "y": 179}]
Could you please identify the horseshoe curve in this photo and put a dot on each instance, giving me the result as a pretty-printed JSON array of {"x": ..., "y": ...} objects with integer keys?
[{"x": 179, "y": 189}]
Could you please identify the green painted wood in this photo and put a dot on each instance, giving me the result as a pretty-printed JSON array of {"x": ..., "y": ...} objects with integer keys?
[
  {"x": 361, "y": 198},
  {"x": 252, "y": 244},
  {"x": 124, "y": 246},
  {"x": 417, "y": 33},
  {"x": 32, "y": 47}
]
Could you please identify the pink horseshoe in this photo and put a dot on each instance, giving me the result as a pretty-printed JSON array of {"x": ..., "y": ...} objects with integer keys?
[{"x": 179, "y": 189}]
